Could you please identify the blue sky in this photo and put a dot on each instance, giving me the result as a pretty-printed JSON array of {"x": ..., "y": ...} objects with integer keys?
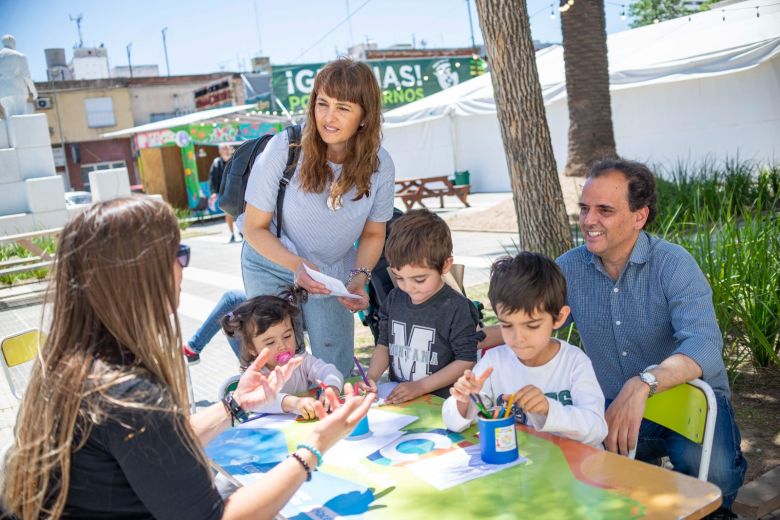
[{"x": 205, "y": 36}]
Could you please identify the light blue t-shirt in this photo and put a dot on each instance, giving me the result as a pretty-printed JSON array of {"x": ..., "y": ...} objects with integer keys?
[{"x": 310, "y": 229}]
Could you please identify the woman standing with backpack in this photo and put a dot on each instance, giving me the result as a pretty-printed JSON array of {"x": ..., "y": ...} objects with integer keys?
[{"x": 341, "y": 192}]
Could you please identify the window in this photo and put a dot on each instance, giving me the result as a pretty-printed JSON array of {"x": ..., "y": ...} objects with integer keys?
[
  {"x": 87, "y": 168},
  {"x": 100, "y": 112}
]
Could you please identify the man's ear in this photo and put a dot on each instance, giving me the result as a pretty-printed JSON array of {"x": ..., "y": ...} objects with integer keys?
[{"x": 641, "y": 217}]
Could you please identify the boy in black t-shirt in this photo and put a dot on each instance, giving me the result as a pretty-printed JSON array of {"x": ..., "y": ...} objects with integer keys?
[{"x": 428, "y": 331}]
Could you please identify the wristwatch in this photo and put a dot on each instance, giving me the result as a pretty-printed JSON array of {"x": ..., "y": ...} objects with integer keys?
[{"x": 649, "y": 379}]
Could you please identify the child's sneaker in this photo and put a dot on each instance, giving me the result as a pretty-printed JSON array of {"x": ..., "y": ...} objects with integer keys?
[{"x": 193, "y": 358}]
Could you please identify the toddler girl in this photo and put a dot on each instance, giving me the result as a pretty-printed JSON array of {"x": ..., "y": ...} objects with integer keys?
[{"x": 269, "y": 322}]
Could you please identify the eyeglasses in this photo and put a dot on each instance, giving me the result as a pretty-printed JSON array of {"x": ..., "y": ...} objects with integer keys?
[{"x": 183, "y": 255}]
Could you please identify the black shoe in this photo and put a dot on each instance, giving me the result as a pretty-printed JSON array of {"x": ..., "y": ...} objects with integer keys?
[
  {"x": 232, "y": 239},
  {"x": 722, "y": 513},
  {"x": 193, "y": 358}
]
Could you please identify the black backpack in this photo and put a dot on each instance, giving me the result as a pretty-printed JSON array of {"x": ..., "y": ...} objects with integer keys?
[{"x": 236, "y": 174}]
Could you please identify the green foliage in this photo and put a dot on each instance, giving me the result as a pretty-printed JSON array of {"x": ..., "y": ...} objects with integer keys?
[
  {"x": 10, "y": 252},
  {"x": 646, "y": 12},
  {"x": 184, "y": 216},
  {"x": 726, "y": 215}
]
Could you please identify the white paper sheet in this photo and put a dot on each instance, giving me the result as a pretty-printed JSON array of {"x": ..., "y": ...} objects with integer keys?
[
  {"x": 457, "y": 467},
  {"x": 382, "y": 391},
  {"x": 334, "y": 285},
  {"x": 385, "y": 428}
]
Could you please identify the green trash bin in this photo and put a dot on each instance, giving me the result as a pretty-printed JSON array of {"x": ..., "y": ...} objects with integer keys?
[{"x": 462, "y": 178}]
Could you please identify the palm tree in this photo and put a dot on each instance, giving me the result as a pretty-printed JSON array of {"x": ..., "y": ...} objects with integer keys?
[
  {"x": 587, "y": 84},
  {"x": 541, "y": 215}
]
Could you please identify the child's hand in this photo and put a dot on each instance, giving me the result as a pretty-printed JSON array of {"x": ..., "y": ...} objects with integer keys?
[
  {"x": 370, "y": 387},
  {"x": 324, "y": 398},
  {"x": 469, "y": 384},
  {"x": 305, "y": 407},
  {"x": 405, "y": 392},
  {"x": 532, "y": 400}
]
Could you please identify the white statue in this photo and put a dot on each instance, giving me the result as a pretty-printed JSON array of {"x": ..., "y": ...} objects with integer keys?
[{"x": 17, "y": 90}]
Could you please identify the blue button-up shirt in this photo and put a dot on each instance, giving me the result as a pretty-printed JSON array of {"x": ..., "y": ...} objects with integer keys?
[{"x": 660, "y": 305}]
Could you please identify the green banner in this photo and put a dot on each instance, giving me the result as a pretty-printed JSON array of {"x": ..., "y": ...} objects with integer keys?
[{"x": 402, "y": 81}]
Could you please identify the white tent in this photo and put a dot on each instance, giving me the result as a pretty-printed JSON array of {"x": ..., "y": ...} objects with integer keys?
[{"x": 701, "y": 86}]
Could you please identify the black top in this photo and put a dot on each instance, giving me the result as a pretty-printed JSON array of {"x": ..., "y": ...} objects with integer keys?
[
  {"x": 215, "y": 174},
  {"x": 424, "y": 338},
  {"x": 135, "y": 466}
]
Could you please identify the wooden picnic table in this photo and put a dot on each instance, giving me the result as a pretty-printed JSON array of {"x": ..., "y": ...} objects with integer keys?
[
  {"x": 413, "y": 191},
  {"x": 562, "y": 478}
]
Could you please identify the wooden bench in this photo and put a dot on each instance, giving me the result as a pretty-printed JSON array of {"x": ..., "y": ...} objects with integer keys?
[{"x": 413, "y": 191}]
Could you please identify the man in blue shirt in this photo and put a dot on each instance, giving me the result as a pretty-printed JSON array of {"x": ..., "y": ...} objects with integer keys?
[{"x": 644, "y": 311}]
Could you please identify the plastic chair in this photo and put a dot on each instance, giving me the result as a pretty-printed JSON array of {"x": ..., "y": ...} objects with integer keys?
[
  {"x": 18, "y": 352},
  {"x": 690, "y": 410}
]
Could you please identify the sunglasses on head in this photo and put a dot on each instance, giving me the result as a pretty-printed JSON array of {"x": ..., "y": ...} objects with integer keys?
[{"x": 183, "y": 255}]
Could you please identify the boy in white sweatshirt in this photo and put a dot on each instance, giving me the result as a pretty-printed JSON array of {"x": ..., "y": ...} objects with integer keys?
[{"x": 554, "y": 386}]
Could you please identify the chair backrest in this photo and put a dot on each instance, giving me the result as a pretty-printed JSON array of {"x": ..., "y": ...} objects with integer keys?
[
  {"x": 18, "y": 351},
  {"x": 690, "y": 410},
  {"x": 682, "y": 409}
]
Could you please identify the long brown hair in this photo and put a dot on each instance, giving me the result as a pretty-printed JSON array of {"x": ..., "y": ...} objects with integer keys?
[
  {"x": 351, "y": 81},
  {"x": 111, "y": 300}
]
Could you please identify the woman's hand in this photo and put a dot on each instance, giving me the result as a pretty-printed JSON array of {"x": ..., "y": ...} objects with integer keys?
[
  {"x": 356, "y": 286},
  {"x": 332, "y": 428},
  {"x": 302, "y": 279},
  {"x": 255, "y": 389},
  {"x": 325, "y": 401}
]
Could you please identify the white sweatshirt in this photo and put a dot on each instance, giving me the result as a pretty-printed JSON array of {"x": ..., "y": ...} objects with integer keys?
[
  {"x": 303, "y": 378},
  {"x": 576, "y": 403}
]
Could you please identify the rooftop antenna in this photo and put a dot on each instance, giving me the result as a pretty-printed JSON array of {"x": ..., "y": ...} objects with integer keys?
[{"x": 78, "y": 19}]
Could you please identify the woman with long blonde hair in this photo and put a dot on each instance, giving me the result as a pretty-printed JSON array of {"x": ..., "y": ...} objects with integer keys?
[
  {"x": 104, "y": 429},
  {"x": 341, "y": 192}
]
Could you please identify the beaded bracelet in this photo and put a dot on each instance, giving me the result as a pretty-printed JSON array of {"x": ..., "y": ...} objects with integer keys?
[
  {"x": 313, "y": 450},
  {"x": 303, "y": 463},
  {"x": 360, "y": 270}
]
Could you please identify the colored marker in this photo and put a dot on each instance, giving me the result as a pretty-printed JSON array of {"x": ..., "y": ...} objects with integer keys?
[
  {"x": 360, "y": 369},
  {"x": 509, "y": 405},
  {"x": 479, "y": 406}
]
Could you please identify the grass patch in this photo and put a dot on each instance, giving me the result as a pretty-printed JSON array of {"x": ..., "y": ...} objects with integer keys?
[{"x": 10, "y": 252}]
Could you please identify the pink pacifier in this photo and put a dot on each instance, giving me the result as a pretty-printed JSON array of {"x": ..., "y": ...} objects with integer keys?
[{"x": 283, "y": 358}]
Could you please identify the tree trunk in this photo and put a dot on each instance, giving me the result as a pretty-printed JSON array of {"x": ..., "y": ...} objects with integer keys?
[
  {"x": 541, "y": 214},
  {"x": 587, "y": 85}
]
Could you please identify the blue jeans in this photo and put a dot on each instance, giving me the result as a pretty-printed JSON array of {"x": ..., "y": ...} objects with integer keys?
[
  {"x": 331, "y": 327},
  {"x": 727, "y": 465},
  {"x": 229, "y": 301}
]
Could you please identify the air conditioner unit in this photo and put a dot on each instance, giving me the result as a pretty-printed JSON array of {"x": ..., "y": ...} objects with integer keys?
[{"x": 43, "y": 103}]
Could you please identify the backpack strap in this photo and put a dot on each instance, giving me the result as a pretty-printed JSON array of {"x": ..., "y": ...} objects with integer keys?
[{"x": 293, "y": 151}]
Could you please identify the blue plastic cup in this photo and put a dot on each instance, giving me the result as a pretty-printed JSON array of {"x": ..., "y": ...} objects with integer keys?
[
  {"x": 361, "y": 429},
  {"x": 498, "y": 440}
]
